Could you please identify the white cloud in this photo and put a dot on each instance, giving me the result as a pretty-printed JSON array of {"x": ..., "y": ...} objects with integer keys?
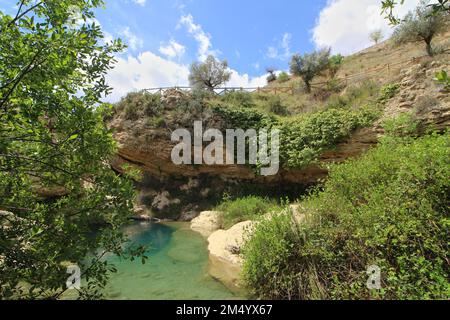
[
  {"x": 245, "y": 81},
  {"x": 203, "y": 38},
  {"x": 145, "y": 71},
  {"x": 140, "y": 2},
  {"x": 345, "y": 25},
  {"x": 172, "y": 50},
  {"x": 283, "y": 51},
  {"x": 149, "y": 70},
  {"x": 133, "y": 41}
]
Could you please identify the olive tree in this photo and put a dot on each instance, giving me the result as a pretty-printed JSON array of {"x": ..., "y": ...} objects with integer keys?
[
  {"x": 209, "y": 74},
  {"x": 310, "y": 65},
  {"x": 376, "y": 36},
  {"x": 422, "y": 25},
  {"x": 53, "y": 142}
]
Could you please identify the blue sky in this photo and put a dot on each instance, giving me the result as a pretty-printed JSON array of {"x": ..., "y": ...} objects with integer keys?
[
  {"x": 166, "y": 36},
  {"x": 240, "y": 31}
]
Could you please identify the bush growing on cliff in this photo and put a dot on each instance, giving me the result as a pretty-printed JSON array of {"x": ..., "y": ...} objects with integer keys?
[
  {"x": 304, "y": 139},
  {"x": 138, "y": 104},
  {"x": 389, "y": 209},
  {"x": 388, "y": 92},
  {"x": 243, "y": 209}
]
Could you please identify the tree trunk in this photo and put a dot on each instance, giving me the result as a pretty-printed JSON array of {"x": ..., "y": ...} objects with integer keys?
[
  {"x": 308, "y": 87},
  {"x": 429, "y": 47}
]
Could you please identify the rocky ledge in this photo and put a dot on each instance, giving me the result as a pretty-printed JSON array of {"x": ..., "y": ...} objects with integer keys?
[
  {"x": 225, "y": 261},
  {"x": 224, "y": 246}
]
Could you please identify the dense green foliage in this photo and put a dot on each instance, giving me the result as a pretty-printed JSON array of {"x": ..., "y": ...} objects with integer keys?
[
  {"x": 389, "y": 209},
  {"x": 388, "y": 91},
  {"x": 243, "y": 209},
  {"x": 335, "y": 63},
  {"x": 283, "y": 77},
  {"x": 443, "y": 79},
  {"x": 137, "y": 104},
  {"x": 53, "y": 142},
  {"x": 305, "y": 138}
]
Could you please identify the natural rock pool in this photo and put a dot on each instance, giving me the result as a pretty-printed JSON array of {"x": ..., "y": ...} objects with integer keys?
[{"x": 177, "y": 267}]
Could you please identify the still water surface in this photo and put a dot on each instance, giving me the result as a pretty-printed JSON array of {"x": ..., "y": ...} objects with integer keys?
[{"x": 177, "y": 267}]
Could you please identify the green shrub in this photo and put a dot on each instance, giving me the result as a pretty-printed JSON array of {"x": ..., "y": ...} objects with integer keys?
[
  {"x": 403, "y": 126},
  {"x": 302, "y": 139},
  {"x": 156, "y": 122},
  {"x": 243, "y": 209},
  {"x": 334, "y": 85},
  {"x": 268, "y": 269},
  {"x": 388, "y": 92},
  {"x": 131, "y": 112},
  {"x": 283, "y": 77},
  {"x": 244, "y": 118},
  {"x": 151, "y": 104},
  {"x": 389, "y": 209},
  {"x": 239, "y": 99},
  {"x": 443, "y": 79},
  {"x": 275, "y": 106},
  {"x": 136, "y": 104},
  {"x": 335, "y": 63}
]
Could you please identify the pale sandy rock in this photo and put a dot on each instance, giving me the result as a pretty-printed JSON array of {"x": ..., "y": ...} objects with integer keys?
[
  {"x": 206, "y": 223},
  {"x": 224, "y": 247}
]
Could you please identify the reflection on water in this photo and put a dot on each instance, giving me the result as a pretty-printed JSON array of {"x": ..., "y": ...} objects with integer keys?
[{"x": 176, "y": 268}]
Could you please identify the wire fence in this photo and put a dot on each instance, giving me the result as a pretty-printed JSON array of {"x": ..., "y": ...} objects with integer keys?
[{"x": 388, "y": 68}]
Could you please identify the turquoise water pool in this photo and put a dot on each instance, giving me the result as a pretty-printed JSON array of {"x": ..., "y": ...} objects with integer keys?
[{"x": 177, "y": 267}]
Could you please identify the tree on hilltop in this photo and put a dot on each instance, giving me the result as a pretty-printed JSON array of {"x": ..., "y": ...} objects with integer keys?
[
  {"x": 310, "y": 65},
  {"x": 422, "y": 25},
  {"x": 209, "y": 74}
]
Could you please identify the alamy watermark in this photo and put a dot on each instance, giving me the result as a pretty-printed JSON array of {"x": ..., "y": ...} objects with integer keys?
[
  {"x": 237, "y": 147},
  {"x": 73, "y": 282},
  {"x": 374, "y": 280}
]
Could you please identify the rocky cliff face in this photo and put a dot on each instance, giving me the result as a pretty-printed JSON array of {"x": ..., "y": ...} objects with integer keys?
[
  {"x": 421, "y": 95},
  {"x": 182, "y": 191}
]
